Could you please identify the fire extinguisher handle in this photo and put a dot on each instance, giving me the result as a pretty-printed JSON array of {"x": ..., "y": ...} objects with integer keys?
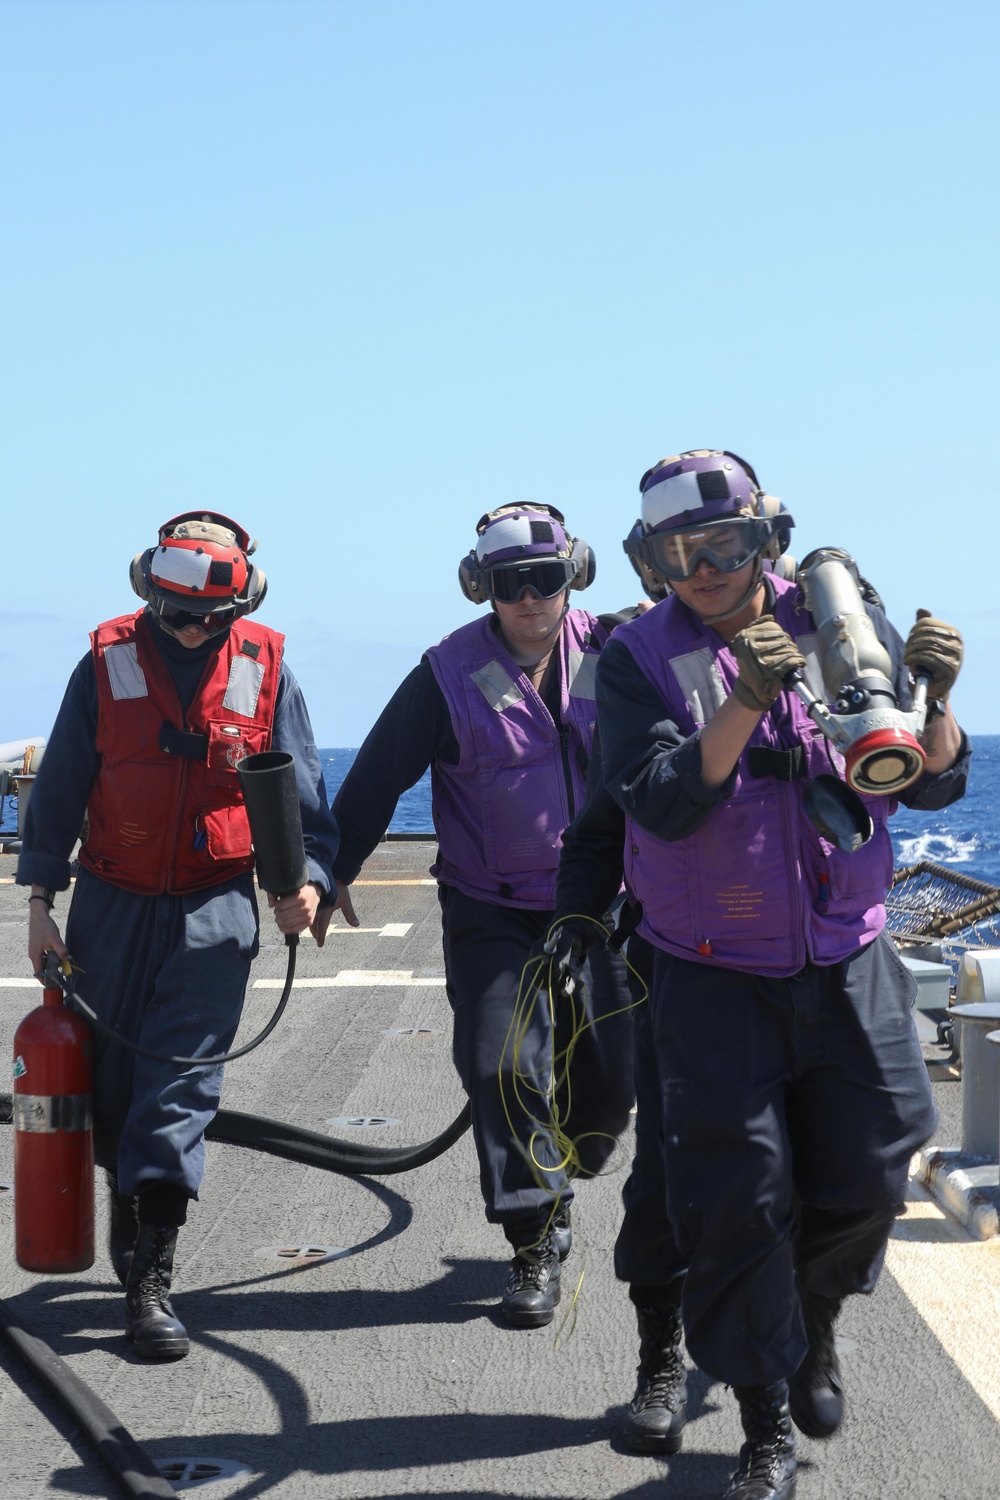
[{"x": 55, "y": 970}]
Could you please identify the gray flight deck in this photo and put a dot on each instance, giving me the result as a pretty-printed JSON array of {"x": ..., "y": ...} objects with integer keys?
[{"x": 387, "y": 1371}]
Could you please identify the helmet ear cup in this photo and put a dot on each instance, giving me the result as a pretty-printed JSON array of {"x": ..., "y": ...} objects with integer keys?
[
  {"x": 654, "y": 584},
  {"x": 138, "y": 573},
  {"x": 468, "y": 579},
  {"x": 770, "y": 507},
  {"x": 587, "y": 570},
  {"x": 256, "y": 589},
  {"x": 785, "y": 567}
]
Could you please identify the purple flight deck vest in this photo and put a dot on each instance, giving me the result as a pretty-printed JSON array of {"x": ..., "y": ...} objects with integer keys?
[
  {"x": 754, "y": 887},
  {"x": 500, "y": 812}
]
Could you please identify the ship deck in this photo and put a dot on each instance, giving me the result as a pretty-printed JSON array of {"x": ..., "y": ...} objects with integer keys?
[{"x": 383, "y": 1369}]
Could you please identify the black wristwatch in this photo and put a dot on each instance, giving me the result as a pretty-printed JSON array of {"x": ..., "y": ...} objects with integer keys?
[
  {"x": 936, "y": 708},
  {"x": 49, "y": 897}
]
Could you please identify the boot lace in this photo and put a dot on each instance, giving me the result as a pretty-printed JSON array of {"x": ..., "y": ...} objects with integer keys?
[
  {"x": 821, "y": 1365},
  {"x": 768, "y": 1439},
  {"x": 661, "y": 1367},
  {"x": 153, "y": 1285},
  {"x": 533, "y": 1273}
]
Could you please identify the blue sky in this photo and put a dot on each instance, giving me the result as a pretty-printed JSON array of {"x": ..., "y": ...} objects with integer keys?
[{"x": 356, "y": 271}]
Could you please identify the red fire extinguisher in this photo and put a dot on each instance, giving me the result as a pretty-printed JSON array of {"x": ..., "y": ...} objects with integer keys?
[{"x": 53, "y": 1139}]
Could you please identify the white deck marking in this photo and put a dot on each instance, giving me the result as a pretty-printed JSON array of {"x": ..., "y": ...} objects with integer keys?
[
  {"x": 18, "y": 984},
  {"x": 353, "y": 979},
  {"x": 391, "y": 929},
  {"x": 953, "y": 1281}
]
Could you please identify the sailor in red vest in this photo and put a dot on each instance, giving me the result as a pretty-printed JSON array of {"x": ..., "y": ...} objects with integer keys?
[
  {"x": 163, "y": 919},
  {"x": 502, "y": 710}
]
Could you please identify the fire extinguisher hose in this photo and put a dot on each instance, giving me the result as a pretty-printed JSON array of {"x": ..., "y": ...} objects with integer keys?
[
  {"x": 274, "y": 1138},
  {"x": 254, "y": 1131},
  {"x": 326, "y": 1152},
  {"x": 133, "y": 1469},
  {"x": 63, "y": 975}
]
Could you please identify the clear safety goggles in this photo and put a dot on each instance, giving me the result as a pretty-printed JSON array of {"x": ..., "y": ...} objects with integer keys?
[
  {"x": 546, "y": 579},
  {"x": 725, "y": 546},
  {"x": 179, "y": 619}
]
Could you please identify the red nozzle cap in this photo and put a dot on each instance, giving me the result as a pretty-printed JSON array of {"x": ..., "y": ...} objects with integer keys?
[{"x": 884, "y": 762}]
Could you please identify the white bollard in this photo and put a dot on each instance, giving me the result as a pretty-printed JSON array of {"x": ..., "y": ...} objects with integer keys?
[{"x": 980, "y": 1079}]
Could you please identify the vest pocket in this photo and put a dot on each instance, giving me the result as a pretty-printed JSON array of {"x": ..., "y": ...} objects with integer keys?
[
  {"x": 227, "y": 832},
  {"x": 521, "y": 818},
  {"x": 742, "y": 870},
  {"x": 228, "y": 744},
  {"x": 854, "y": 882}
]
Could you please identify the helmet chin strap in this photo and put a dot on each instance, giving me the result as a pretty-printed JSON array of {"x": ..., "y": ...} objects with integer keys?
[{"x": 753, "y": 586}]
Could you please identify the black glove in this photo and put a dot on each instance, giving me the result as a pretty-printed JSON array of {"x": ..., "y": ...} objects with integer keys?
[{"x": 564, "y": 949}]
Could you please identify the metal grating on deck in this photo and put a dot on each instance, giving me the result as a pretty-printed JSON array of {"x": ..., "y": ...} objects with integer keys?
[{"x": 929, "y": 902}]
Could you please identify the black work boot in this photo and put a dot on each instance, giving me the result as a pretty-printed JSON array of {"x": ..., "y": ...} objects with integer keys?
[
  {"x": 767, "y": 1458},
  {"x": 816, "y": 1391},
  {"x": 562, "y": 1231},
  {"x": 150, "y": 1323},
  {"x": 655, "y": 1421},
  {"x": 531, "y": 1295},
  {"x": 124, "y": 1228}
]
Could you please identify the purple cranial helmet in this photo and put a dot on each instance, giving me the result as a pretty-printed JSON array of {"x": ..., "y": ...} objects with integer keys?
[
  {"x": 692, "y": 488},
  {"x": 522, "y": 547},
  {"x": 705, "y": 504}
]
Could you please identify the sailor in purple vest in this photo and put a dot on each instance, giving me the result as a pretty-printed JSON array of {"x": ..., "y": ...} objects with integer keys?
[
  {"x": 503, "y": 712},
  {"x": 794, "y": 1091}
]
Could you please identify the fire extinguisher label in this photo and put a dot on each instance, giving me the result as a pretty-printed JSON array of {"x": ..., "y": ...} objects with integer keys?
[
  {"x": 19, "y": 1068},
  {"x": 47, "y": 1113}
]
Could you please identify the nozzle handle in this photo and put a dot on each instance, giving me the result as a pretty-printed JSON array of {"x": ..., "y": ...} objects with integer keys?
[
  {"x": 921, "y": 679},
  {"x": 815, "y": 707}
]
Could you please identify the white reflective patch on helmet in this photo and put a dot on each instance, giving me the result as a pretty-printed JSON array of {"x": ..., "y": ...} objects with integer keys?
[
  {"x": 181, "y": 566},
  {"x": 670, "y": 498},
  {"x": 510, "y": 532}
]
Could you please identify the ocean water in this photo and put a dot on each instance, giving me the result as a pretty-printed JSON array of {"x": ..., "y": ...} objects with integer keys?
[
  {"x": 965, "y": 836},
  {"x": 413, "y": 810}
]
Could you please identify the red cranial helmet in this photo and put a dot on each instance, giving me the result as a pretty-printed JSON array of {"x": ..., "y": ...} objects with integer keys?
[{"x": 199, "y": 572}]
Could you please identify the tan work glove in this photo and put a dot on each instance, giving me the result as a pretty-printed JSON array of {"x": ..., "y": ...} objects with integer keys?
[
  {"x": 765, "y": 655},
  {"x": 935, "y": 648}
]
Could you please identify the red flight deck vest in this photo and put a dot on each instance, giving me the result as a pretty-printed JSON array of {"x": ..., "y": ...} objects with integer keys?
[{"x": 168, "y": 822}]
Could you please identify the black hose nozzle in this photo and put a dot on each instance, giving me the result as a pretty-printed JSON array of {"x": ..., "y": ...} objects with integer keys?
[{"x": 271, "y": 794}]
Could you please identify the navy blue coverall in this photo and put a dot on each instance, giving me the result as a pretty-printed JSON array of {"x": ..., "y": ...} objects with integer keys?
[
  {"x": 791, "y": 1106},
  {"x": 590, "y": 877},
  {"x": 486, "y": 946},
  {"x": 170, "y": 971}
]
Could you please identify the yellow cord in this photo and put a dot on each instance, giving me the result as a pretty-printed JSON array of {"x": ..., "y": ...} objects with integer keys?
[{"x": 541, "y": 1106}]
